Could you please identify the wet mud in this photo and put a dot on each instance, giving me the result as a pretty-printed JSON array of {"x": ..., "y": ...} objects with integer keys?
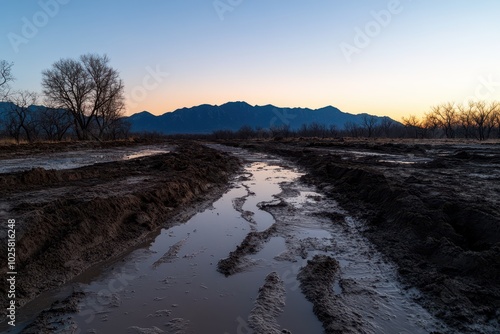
[
  {"x": 269, "y": 305},
  {"x": 316, "y": 281},
  {"x": 431, "y": 207},
  {"x": 56, "y": 319},
  {"x": 252, "y": 244}
]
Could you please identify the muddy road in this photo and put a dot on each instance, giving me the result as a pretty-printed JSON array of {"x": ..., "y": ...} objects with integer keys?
[
  {"x": 243, "y": 265},
  {"x": 305, "y": 237},
  {"x": 433, "y": 208},
  {"x": 70, "y": 219}
]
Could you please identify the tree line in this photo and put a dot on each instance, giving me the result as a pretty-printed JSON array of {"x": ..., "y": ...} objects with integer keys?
[
  {"x": 83, "y": 99},
  {"x": 473, "y": 120},
  {"x": 369, "y": 127},
  {"x": 476, "y": 120}
]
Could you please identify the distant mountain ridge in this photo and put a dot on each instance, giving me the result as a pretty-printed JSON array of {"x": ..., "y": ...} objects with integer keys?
[{"x": 207, "y": 118}]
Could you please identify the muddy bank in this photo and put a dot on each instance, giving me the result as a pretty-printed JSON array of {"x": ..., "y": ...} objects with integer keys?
[
  {"x": 67, "y": 220},
  {"x": 268, "y": 306},
  {"x": 433, "y": 208},
  {"x": 316, "y": 281}
]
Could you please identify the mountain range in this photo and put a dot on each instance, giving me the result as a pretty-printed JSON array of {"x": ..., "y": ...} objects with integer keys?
[
  {"x": 207, "y": 118},
  {"x": 232, "y": 116}
]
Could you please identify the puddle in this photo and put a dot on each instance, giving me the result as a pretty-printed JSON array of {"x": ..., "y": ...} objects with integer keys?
[
  {"x": 406, "y": 161},
  {"x": 76, "y": 159},
  {"x": 173, "y": 284},
  {"x": 144, "y": 153},
  {"x": 273, "y": 247}
]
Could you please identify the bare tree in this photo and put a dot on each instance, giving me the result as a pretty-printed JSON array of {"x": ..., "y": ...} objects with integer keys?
[
  {"x": 245, "y": 132},
  {"x": 413, "y": 126},
  {"x": 333, "y": 131},
  {"x": 276, "y": 131},
  {"x": 431, "y": 125},
  {"x": 5, "y": 78},
  {"x": 20, "y": 117},
  {"x": 466, "y": 119},
  {"x": 119, "y": 129},
  {"x": 109, "y": 116},
  {"x": 445, "y": 115},
  {"x": 261, "y": 133},
  {"x": 54, "y": 122},
  {"x": 496, "y": 118},
  {"x": 89, "y": 88},
  {"x": 318, "y": 130},
  {"x": 369, "y": 123},
  {"x": 315, "y": 130},
  {"x": 484, "y": 117},
  {"x": 386, "y": 125},
  {"x": 352, "y": 129}
]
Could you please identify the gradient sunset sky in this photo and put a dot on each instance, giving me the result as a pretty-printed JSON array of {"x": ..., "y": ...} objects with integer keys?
[{"x": 380, "y": 57}]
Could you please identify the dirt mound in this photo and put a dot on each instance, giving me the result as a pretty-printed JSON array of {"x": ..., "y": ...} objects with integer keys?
[{"x": 71, "y": 219}]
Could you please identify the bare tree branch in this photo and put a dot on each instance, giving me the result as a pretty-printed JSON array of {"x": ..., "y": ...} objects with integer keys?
[
  {"x": 5, "y": 77},
  {"x": 89, "y": 88}
]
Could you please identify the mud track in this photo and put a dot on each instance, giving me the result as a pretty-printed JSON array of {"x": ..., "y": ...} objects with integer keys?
[
  {"x": 68, "y": 220},
  {"x": 431, "y": 207},
  {"x": 316, "y": 280},
  {"x": 268, "y": 306}
]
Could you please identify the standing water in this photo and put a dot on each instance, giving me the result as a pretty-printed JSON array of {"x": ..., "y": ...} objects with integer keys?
[{"x": 173, "y": 285}]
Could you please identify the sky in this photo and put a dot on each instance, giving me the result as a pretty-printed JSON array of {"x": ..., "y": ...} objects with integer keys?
[{"x": 382, "y": 57}]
